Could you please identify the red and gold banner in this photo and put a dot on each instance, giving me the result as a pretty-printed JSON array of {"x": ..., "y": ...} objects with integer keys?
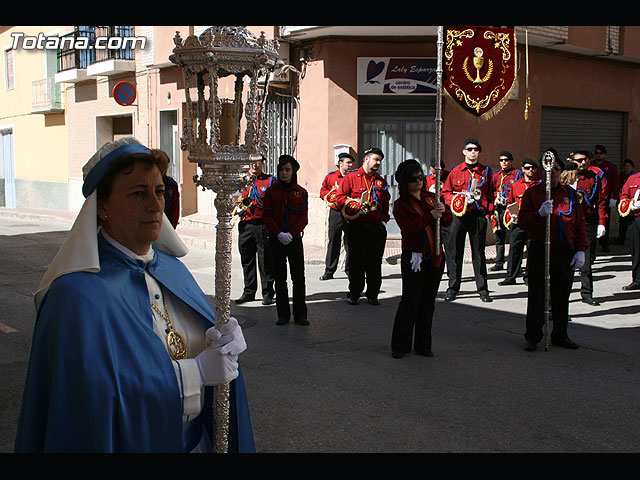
[{"x": 480, "y": 68}]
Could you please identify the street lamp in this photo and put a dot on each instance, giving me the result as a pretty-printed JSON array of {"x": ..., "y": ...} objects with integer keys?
[{"x": 211, "y": 133}]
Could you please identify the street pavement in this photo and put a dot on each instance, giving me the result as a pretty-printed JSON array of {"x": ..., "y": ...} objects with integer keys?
[{"x": 332, "y": 386}]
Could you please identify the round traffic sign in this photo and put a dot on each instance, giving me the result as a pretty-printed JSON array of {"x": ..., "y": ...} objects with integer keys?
[{"x": 124, "y": 93}]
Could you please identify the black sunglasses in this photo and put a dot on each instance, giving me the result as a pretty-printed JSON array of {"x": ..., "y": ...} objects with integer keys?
[
  {"x": 415, "y": 178},
  {"x": 529, "y": 167},
  {"x": 472, "y": 149}
]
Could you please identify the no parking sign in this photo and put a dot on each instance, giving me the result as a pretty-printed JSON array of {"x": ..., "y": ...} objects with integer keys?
[{"x": 124, "y": 93}]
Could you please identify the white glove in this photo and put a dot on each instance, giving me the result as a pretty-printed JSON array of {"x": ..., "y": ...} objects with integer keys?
[
  {"x": 285, "y": 238},
  {"x": 546, "y": 208},
  {"x": 635, "y": 205},
  {"x": 612, "y": 203},
  {"x": 218, "y": 363},
  {"x": 416, "y": 260},
  {"x": 601, "y": 231},
  {"x": 578, "y": 260}
]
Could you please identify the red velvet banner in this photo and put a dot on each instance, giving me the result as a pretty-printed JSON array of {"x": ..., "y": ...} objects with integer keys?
[{"x": 480, "y": 68}]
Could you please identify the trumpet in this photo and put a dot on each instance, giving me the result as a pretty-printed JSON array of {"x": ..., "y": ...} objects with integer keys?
[
  {"x": 367, "y": 207},
  {"x": 501, "y": 198},
  {"x": 471, "y": 195},
  {"x": 241, "y": 206},
  {"x": 354, "y": 208}
]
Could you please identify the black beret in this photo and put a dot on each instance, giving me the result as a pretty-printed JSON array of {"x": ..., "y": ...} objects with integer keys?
[
  {"x": 473, "y": 141},
  {"x": 402, "y": 167},
  {"x": 506, "y": 153},
  {"x": 529, "y": 161},
  {"x": 284, "y": 159}
]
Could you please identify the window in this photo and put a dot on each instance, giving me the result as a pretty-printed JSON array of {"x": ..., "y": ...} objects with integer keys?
[{"x": 9, "y": 70}]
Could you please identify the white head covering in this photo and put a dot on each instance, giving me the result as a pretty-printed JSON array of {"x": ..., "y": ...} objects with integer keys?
[{"x": 79, "y": 252}]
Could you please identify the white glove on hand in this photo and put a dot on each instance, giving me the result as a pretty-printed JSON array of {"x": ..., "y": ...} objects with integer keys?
[
  {"x": 578, "y": 260},
  {"x": 612, "y": 203},
  {"x": 438, "y": 210},
  {"x": 285, "y": 238},
  {"x": 601, "y": 231},
  {"x": 635, "y": 205},
  {"x": 416, "y": 260},
  {"x": 218, "y": 363},
  {"x": 546, "y": 208}
]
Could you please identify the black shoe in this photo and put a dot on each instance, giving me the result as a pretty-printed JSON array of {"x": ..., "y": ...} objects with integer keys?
[
  {"x": 450, "y": 297},
  {"x": 566, "y": 343},
  {"x": 352, "y": 300},
  {"x": 373, "y": 301},
  {"x": 507, "y": 281},
  {"x": 632, "y": 286},
  {"x": 590, "y": 301},
  {"x": 496, "y": 267},
  {"x": 423, "y": 352},
  {"x": 326, "y": 276},
  {"x": 245, "y": 299},
  {"x": 301, "y": 321},
  {"x": 486, "y": 298},
  {"x": 282, "y": 321},
  {"x": 267, "y": 300},
  {"x": 397, "y": 355},
  {"x": 530, "y": 346}
]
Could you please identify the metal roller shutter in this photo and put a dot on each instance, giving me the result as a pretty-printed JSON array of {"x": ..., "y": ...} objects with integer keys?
[{"x": 568, "y": 129}]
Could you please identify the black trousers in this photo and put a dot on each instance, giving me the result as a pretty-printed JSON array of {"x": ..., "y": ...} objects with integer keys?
[
  {"x": 366, "y": 249},
  {"x": 634, "y": 242},
  {"x": 561, "y": 278},
  {"x": 253, "y": 242},
  {"x": 604, "y": 240},
  {"x": 294, "y": 255},
  {"x": 501, "y": 237},
  {"x": 474, "y": 224},
  {"x": 517, "y": 241},
  {"x": 586, "y": 272},
  {"x": 414, "y": 316},
  {"x": 337, "y": 225}
]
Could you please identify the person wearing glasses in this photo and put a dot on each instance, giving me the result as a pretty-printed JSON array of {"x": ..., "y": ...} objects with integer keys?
[
  {"x": 568, "y": 246},
  {"x": 421, "y": 263},
  {"x": 363, "y": 198},
  {"x": 613, "y": 180},
  {"x": 518, "y": 236},
  {"x": 592, "y": 191},
  {"x": 467, "y": 192},
  {"x": 502, "y": 180}
]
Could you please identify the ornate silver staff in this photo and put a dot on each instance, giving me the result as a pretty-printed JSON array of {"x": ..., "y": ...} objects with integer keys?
[
  {"x": 211, "y": 133},
  {"x": 547, "y": 162},
  {"x": 438, "y": 120}
]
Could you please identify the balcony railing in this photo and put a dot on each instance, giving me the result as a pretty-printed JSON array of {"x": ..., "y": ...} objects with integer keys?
[
  {"x": 46, "y": 97},
  {"x": 70, "y": 57}
]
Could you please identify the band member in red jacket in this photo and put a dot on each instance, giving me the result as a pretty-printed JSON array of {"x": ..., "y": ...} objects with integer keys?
[
  {"x": 363, "y": 198},
  {"x": 337, "y": 222},
  {"x": 422, "y": 266},
  {"x": 253, "y": 237},
  {"x": 592, "y": 194},
  {"x": 568, "y": 246},
  {"x": 286, "y": 215},
  {"x": 518, "y": 236},
  {"x": 501, "y": 181},
  {"x": 612, "y": 176},
  {"x": 629, "y": 207},
  {"x": 467, "y": 192}
]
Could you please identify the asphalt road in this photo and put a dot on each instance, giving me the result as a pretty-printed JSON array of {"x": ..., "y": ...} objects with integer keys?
[{"x": 333, "y": 387}]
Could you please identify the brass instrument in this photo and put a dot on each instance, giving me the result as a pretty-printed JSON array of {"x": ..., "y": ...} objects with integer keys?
[
  {"x": 330, "y": 197},
  {"x": 470, "y": 195},
  {"x": 367, "y": 205},
  {"x": 354, "y": 208},
  {"x": 241, "y": 206}
]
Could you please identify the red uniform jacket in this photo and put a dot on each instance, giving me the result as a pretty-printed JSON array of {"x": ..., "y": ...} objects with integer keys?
[
  {"x": 459, "y": 179},
  {"x": 430, "y": 180},
  {"x": 332, "y": 179},
  {"x": 357, "y": 182},
  {"x": 417, "y": 225},
  {"x": 593, "y": 193},
  {"x": 629, "y": 190},
  {"x": 567, "y": 219},
  {"x": 502, "y": 181},
  {"x": 518, "y": 188},
  {"x": 285, "y": 209},
  {"x": 612, "y": 176},
  {"x": 257, "y": 192}
]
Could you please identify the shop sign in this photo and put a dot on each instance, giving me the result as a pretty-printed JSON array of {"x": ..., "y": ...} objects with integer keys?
[{"x": 396, "y": 76}]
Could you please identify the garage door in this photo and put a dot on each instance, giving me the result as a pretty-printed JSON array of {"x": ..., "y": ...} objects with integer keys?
[{"x": 569, "y": 129}]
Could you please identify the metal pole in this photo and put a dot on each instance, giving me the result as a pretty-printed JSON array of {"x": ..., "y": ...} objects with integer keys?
[
  {"x": 438, "y": 119},
  {"x": 547, "y": 163}
]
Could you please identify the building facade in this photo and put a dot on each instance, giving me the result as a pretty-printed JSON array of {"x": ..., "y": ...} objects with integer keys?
[{"x": 581, "y": 81}]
